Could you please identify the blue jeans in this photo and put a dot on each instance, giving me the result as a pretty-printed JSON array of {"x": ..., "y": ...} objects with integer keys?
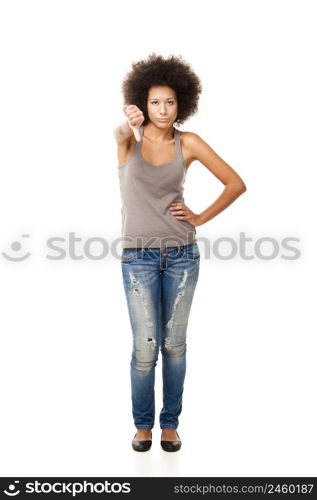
[{"x": 159, "y": 285}]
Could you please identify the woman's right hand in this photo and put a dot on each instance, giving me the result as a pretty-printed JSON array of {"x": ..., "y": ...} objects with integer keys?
[{"x": 135, "y": 119}]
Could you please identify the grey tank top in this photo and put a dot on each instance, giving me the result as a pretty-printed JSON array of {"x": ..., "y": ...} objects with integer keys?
[{"x": 147, "y": 192}]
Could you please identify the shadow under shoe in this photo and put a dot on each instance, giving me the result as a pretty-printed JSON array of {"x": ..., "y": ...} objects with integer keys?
[
  {"x": 171, "y": 445},
  {"x": 142, "y": 445}
]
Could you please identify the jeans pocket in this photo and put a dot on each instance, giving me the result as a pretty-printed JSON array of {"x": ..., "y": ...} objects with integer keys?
[
  {"x": 192, "y": 251},
  {"x": 131, "y": 254}
]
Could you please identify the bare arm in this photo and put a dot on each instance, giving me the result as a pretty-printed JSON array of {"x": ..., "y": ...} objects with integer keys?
[
  {"x": 234, "y": 185},
  {"x": 122, "y": 132}
]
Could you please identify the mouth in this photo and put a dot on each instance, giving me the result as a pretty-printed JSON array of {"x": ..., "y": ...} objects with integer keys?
[{"x": 163, "y": 119}]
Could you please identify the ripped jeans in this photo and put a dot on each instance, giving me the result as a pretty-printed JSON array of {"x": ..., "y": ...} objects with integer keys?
[{"x": 159, "y": 286}]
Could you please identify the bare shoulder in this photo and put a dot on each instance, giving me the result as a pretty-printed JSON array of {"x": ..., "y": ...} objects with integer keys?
[
  {"x": 196, "y": 146},
  {"x": 190, "y": 138}
]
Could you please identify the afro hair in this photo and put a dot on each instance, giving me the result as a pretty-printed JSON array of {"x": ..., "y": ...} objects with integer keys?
[{"x": 173, "y": 72}]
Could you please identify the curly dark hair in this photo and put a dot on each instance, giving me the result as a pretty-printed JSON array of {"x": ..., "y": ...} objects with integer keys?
[{"x": 173, "y": 72}]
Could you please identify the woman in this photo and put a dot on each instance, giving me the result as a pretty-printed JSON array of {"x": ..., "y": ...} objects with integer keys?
[{"x": 160, "y": 256}]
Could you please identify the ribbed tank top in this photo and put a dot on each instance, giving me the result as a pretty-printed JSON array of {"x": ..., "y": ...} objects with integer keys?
[{"x": 147, "y": 192}]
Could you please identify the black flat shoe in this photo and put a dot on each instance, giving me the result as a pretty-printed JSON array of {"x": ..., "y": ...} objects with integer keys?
[
  {"x": 143, "y": 445},
  {"x": 171, "y": 445}
]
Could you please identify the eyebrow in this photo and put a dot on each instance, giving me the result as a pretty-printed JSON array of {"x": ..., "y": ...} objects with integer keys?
[{"x": 158, "y": 98}]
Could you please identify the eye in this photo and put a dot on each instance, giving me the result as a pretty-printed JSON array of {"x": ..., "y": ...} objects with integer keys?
[{"x": 154, "y": 102}]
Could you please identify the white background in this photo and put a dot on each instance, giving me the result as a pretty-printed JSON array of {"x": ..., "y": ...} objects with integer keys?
[{"x": 249, "y": 405}]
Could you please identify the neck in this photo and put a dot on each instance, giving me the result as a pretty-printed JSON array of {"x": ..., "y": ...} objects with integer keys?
[{"x": 157, "y": 134}]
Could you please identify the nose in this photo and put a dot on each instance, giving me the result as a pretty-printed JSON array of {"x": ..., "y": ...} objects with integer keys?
[{"x": 162, "y": 110}]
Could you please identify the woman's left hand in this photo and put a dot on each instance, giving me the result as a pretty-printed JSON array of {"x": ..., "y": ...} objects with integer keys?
[{"x": 181, "y": 211}]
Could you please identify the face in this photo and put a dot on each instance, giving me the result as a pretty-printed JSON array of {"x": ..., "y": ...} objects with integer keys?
[{"x": 162, "y": 106}]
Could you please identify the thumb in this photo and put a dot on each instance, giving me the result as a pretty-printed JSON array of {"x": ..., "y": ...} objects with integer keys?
[{"x": 136, "y": 132}]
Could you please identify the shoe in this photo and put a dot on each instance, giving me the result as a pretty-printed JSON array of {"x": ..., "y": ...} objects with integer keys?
[
  {"x": 142, "y": 445},
  {"x": 171, "y": 445}
]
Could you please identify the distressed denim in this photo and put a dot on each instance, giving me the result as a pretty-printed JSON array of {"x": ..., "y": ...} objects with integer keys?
[{"x": 159, "y": 285}]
